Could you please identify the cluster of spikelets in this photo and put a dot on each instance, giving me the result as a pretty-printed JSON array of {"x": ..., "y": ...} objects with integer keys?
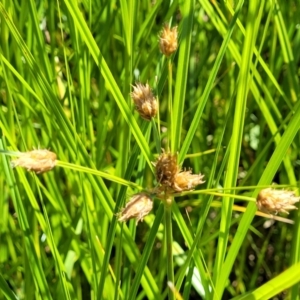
[
  {"x": 168, "y": 40},
  {"x": 171, "y": 179},
  {"x": 144, "y": 100},
  {"x": 38, "y": 161},
  {"x": 137, "y": 208},
  {"x": 276, "y": 201}
]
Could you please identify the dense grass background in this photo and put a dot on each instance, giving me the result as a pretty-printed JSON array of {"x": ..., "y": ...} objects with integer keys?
[{"x": 66, "y": 70}]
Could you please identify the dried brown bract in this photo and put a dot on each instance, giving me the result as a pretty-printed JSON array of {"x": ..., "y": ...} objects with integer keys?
[
  {"x": 38, "y": 161},
  {"x": 276, "y": 201},
  {"x": 144, "y": 100},
  {"x": 168, "y": 40},
  {"x": 137, "y": 208}
]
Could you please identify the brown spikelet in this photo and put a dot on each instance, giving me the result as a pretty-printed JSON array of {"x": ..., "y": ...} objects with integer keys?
[
  {"x": 186, "y": 181},
  {"x": 276, "y": 201},
  {"x": 144, "y": 100},
  {"x": 38, "y": 161},
  {"x": 168, "y": 40},
  {"x": 137, "y": 208}
]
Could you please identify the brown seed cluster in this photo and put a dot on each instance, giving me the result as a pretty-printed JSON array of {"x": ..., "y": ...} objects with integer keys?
[
  {"x": 144, "y": 100},
  {"x": 166, "y": 168},
  {"x": 38, "y": 161},
  {"x": 168, "y": 40},
  {"x": 171, "y": 177},
  {"x": 137, "y": 208},
  {"x": 276, "y": 201}
]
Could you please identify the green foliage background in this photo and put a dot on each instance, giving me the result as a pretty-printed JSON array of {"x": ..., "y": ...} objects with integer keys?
[{"x": 229, "y": 105}]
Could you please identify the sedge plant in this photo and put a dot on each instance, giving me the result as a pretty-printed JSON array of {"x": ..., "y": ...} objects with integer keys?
[{"x": 149, "y": 149}]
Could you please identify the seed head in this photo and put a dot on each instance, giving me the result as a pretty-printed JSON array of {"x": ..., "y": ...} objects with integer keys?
[
  {"x": 170, "y": 176},
  {"x": 145, "y": 102},
  {"x": 166, "y": 168},
  {"x": 168, "y": 40},
  {"x": 186, "y": 181},
  {"x": 38, "y": 161},
  {"x": 276, "y": 201},
  {"x": 137, "y": 208}
]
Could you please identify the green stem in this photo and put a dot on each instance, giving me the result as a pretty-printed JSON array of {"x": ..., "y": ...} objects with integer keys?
[
  {"x": 157, "y": 126},
  {"x": 157, "y": 137},
  {"x": 169, "y": 241},
  {"x": 170, "y": 106}
]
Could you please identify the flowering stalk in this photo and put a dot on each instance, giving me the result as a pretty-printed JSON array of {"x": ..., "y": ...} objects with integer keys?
[
  {"x": 166, "y": 165},
  {"x": 156, "y": 126},
  {"x": 170, "y": 107},
  {"x": 156, "y": 135},
  {"x": 168, "y": 43}
]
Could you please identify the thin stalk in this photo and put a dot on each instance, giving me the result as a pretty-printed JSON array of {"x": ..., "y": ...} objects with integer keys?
[
  {"x": 169, "y": 241},
  {"x": 118, "y": 269},
  {"x": 90, "y": 237},
  {"x": 157, "y": 137},
  {"x": 158, "y": 116},
  {"x": 170, "y": 107},
  {"x": 62, "y": 275}
]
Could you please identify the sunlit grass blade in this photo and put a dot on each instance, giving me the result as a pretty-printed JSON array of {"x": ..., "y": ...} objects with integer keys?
[
  {"x": 146, "y": 253},
  {"x": 182, "y": 72},
  {"x": 236, "y": 139},
  {"x": 276, "y": 285},
  {"x": 6, "y": 291},
  {"x": 266, "y": 178},
  {"x": 202, "y": 102}
]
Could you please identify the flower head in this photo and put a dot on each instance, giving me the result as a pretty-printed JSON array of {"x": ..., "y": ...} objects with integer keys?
[
  {"x": 166, "y": 168},
  {"x": 137, "y": 208},
  {"x": 38, "y": 161},
  {"x": 276, "y": 201},
  {"x": 144, "y": 100},
  {"x": 170, "y": 175},
  {"x": 185, "y": 181},
  {"x": 168, "y": 40}
]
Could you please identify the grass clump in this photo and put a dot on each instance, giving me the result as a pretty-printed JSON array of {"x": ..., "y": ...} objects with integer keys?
[{"x": 223, "y": 102}]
